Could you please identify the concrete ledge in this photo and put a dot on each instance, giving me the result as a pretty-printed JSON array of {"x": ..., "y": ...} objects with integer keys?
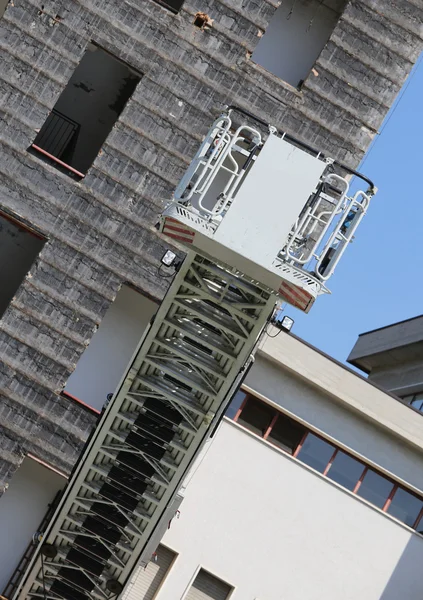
[{"x": 344, "y": 386}]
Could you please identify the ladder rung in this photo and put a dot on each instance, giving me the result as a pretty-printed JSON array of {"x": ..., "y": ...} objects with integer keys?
[
  {"x": 192, "y": 355},
  {"x": 207, "y": 338},
  {"x": 211, "y": 315},
  {"x": 182, "y": 373},
  {"x": 168, "y": 389}
]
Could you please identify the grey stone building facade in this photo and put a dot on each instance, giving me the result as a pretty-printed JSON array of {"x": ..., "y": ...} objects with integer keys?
[{"x": 85, "y": 213}]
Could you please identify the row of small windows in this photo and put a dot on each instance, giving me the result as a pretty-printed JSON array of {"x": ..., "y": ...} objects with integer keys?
[
  {"x": 323, "y": 456},
  {"x": 415, "y": 401}
]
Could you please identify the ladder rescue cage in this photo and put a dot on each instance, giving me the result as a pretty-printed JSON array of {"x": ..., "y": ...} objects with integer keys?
[{"x": 272, "y": 207}]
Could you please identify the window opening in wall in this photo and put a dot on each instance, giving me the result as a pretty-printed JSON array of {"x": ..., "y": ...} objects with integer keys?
[
  {"x": 208, "y": 587},
  {"x": 286, "y": 434},
  {"x": 315, "y": 453},
  {"x": 19, "y": 247},
  {"x": 86, "y": 111},
  {"x": 405, "y": 507},
  {"x": 415, "y": 400},
  {"x": 172, "y": 5},
  {"x": 145, "y": 582},
  {"x": 295, "y": 37},
  {"x": 375, "y": 488},
  {"x": 334, "y": 463},
  {"x": 419, "y": 525},
  {"x": 3, "y": 6},
  {"x": 32, "y": 490},
  {"x": 345, "y": 470},
  {"x": 257, "y": 416},
  {"x": 236, "y": 404},
  {"x": 111, "y": 348}
]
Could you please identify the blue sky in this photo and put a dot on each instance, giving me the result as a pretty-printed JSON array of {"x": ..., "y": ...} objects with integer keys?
[{"x": 379, "y": 280}]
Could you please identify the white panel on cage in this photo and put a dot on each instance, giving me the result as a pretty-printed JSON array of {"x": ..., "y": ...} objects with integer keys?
[{"x": 269, "y": 200}]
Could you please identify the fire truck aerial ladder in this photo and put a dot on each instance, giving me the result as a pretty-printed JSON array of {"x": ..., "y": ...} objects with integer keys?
[{"x": 265, "y": 219}]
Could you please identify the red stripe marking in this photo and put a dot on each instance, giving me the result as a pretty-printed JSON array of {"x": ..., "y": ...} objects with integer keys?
[
  {"x": 295, "y": 292},
  {"x": 180, "y": 229},
  {"x": 75, "y": 399},
  {"x": 292, "y": 299},
  {"x": 287, "y": 293},
  {"x": 46, "y": 465},
  {"x": 178, "y": 232},
  {"x": 181, "y": 239},
  {"x": 57, "y": 160}
]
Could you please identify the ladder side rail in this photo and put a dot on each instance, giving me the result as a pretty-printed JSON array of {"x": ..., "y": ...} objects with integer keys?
[
  {"x": 214, "y": 163},
  {"x": 222, "y": 134},
  {"x": 232, "y": 186},
  {"x": 338, "y": 236},
  {"x": 313, "y": 216},
  {"x": 227, "y": 153}
]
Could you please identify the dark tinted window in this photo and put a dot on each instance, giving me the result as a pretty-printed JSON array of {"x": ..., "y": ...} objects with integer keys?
[
  {"x": 419, "y": 527},
  {"x": 375, "y": 488},
  {"x": 235, "y": 404},
  {"x": 256, "y": 416},
  {"x": 345, "y": 470},
  {"x": 316, "y": 453},
  {"x": 405, "y": 507},
  {"x": 417, "y": 402},
  {"x": 286, "y": 433}
]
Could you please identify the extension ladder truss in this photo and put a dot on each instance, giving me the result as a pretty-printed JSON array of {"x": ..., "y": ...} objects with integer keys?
[{"x": 176, "y": 389}]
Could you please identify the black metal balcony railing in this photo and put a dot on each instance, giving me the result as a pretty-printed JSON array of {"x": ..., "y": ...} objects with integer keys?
[
  {"x": 57, "y": 134},
  {"x": 57, "y": 140}
]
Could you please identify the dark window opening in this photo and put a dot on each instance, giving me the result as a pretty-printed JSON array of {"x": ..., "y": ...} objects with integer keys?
[
  {"x": 86, "y": 111},
  {"x": 405, "y": 507},
  {"x": 172, "y": 5},
  {"x": 286, "y": 434},
  {"x": 315, "y": 453},
  {"x": 235, "y": 404},
  {"x": 199, "y": 22},
  {"x": 19, "y": 247},
  {"x": 345, "y": 470},
  {"x": 295, "y": 37},
  {"x": 375, "y": 488},
  {"x": 415, "y": 400},
  {"x": 256, "y": 416}
]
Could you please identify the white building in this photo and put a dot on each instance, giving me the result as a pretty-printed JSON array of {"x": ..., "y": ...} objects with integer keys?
[{"x": 312, "y": 486}]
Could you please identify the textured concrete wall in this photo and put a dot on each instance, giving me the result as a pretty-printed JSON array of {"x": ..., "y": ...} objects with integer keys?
[{"x": 99, "y": 230}]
